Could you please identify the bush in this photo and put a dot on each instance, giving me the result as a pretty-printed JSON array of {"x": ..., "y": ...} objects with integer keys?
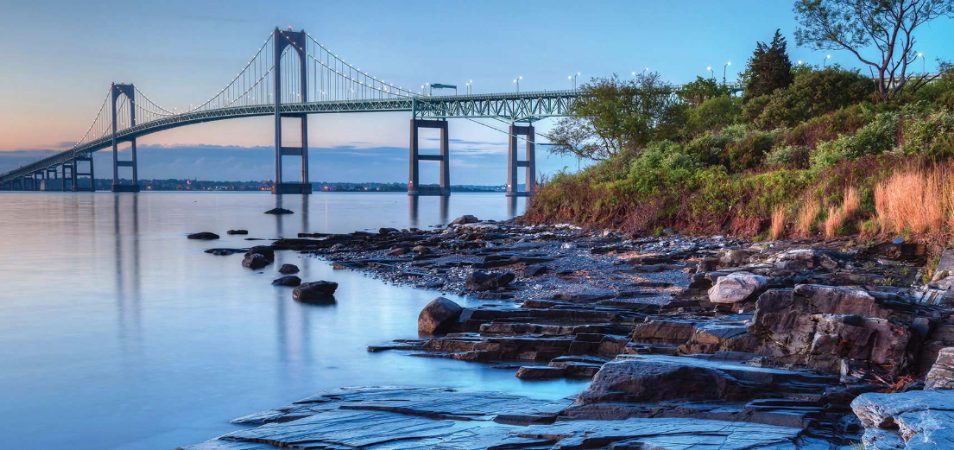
[
  {"x": 788, "y": 157},
  {"x": 829, "y": 126},
  {"x": 878, "y": 136},
  {"x": 749, "y": 151},
  {"x": 662, "y": 166},
  {"x": 713, "y": 114},
  {"x": 932, "y": 135},
  {"x": 812, "y": 94}
]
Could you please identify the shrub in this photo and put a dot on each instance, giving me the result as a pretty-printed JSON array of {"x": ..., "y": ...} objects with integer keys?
[
  {"x": 788, "y": 157},
  {"x": 932, "y": 135},
  {"x": 878, "y": 136},
  {"x": 713, "y": 114},
  {"x": 813, "y": 93},
  {"x": 829, "y": 126},
  {"x": 749, "y": 151},
  {"x": 661, "y": 166}
]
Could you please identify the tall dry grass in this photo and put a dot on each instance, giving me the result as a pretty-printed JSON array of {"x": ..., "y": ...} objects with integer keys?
[
  {"x": 806, "y": 218},
  {"x": 916, "y": 200},
  {"x": 777, "y": 229},
  {"x": 837, "y": 216}
]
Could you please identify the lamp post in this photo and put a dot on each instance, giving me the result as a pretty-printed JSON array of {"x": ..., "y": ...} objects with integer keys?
[
  {"x": 709, "y": 69},
  {"x": 469, "y": 83},
  {"x": 516, "y": 82},
  {"x": 725, "y": 69},
  {"x": 923, "y": 65},
  {"x": 573, "y": 79},
  {"x": 827, "y": 57}
]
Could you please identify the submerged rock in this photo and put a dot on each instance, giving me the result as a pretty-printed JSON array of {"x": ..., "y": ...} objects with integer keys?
[
  {"x": 316, "y": 292},
  {"x": 255, "y": 261},
  {"x": 279, "y": 211},
  {"x": 437, "y": 316},
  {"x": 203, "y": 236},
  {"x": 288, "y": 269},
  {"x": 287, "y": 280},
  {"x": 239, "y": 232}
]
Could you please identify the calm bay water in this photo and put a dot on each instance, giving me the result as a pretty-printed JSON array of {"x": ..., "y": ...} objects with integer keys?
[{"x": 116, "y": 332}]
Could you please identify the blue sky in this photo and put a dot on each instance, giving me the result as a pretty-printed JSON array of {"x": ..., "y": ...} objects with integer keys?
[{"x": 58, "y": 57}]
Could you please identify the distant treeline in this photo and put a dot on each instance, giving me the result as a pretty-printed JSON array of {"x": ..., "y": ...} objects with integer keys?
[{"x": 200, "y": 185}]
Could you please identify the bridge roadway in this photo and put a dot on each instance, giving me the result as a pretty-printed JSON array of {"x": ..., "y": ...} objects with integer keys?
[{"x": 511, "y": 107}]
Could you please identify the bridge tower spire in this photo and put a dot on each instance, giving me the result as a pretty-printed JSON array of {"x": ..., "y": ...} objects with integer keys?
[
  {"x": 296, "y": 40},
  {"x": 117, "y": 91}
]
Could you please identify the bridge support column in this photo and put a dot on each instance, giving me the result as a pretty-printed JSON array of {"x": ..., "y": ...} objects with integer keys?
[
  {"x": 129, "y": 91},
  {"x": 296, "y": 40},
  {"x": 514, "y": 163},
  {"x": 415, "y": 158},
  {"x": 89, "y": 173}
]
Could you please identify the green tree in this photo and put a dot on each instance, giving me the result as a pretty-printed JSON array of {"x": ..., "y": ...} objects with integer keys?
[
  {"x": 701, "y": 89},
  {"x": 768, "y": 69},
  {"x": 886, "y": 27},
  {"x": 612, "y": 116}
]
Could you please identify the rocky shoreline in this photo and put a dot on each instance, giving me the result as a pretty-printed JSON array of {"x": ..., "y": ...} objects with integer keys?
[{"x": 690, "y": 342}]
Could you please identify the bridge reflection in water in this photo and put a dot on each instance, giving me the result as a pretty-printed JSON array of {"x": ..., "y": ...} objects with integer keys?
[{"x": 289, "y": 78}]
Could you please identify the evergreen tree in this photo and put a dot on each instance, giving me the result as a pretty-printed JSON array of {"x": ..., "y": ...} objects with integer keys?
[{"x": 768, "y": 69}]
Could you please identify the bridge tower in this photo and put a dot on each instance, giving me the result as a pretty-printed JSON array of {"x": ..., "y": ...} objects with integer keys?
[
  {"x": 296, "y": 40},
  {"x": 117, "y": 92},
  {"x": 514, "y": 162},
  {"x": 415, "y": 158}
]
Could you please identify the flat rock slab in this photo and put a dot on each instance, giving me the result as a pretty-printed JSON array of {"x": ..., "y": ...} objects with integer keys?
[
  {"x": 448, "y": 419},
  {"x": 913, "y": 419}
]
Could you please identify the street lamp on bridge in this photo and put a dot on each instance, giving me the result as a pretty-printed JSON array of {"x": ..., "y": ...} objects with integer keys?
[
  {"x": 469, "y": 83},
  {"x": 516, "y": 82},
  {"x": 709, "y": 70},
  {"x": 923, "y": 66},
  {"x": 574, "y": 79},
  {"x": 725, "y": 68}
]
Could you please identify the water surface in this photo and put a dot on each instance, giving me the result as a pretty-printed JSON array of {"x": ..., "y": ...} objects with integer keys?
[{"x": 116, "y": 332}]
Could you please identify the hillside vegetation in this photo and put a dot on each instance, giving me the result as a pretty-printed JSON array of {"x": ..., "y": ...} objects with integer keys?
[{"x": 799, "y": 152}]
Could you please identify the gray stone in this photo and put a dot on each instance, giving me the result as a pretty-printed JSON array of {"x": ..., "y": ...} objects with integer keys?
[
  {"x": 941, "y": 375},
  {"x": 437, "y": 316},
  {"x": 203, "y": 236},
  {"x": 465, "y": 219},
  {"x": 287, "y": 280},
  {"x": 918, "y": 419},
  {"x": 737, "y": 287},
  {"x": 288, "y": 269},
  {"x": 255, "y": 261}
]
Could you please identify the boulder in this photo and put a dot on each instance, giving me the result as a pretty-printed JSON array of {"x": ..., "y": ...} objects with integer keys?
[
  {"x": 823, "y": 326},
  {"x": 800, "y": 259},
  {"x": 941, "y": 375},
  {"x": 539, "y": 372},
  {"x": 203, "y": 236},
  {"x": 279, "y": 211},
  {"x": 906, "y": 420},
  {"x": 388, "y": 231},
  {"x": 653, "y": 378},
  {"x": 735, "y": 257},
  {"x": 437, "y": 316},
  {"x": 480, "y": 280},
  {"x": 737, "y": 287},
  {"x": 288, "y": 269},
  {"x": 421, "y": 250},
  {"x": 265, "y": 250},
  {"x": 241, "y": 232},
  {"x": 316, "y": 292},
  {"x": 465, "y": 219},
  {"x": 255, "y": 261},
  {"x": 287, "y": 280}
]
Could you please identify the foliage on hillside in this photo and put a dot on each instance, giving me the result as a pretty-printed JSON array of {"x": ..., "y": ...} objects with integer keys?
[{"x": 823, "y": 155}]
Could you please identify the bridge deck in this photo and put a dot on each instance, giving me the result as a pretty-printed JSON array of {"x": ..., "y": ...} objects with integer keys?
[{"x": 510, "y": 106}]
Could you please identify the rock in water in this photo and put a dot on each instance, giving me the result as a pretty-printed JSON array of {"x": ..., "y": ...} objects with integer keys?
[
  {"x": 316, "y": 292},
  {"x": 203, "y": 236},
  {"x": 278, "y": 211},
  {"x": 255, "y": 261},
  {"x": 288, "y": 269},
  {"x": 480, "y": 280},
  {"x": 287, "y": 280},
  {"x": 941, "y": 375},
  {"x": 437, "y": 316},
  {"x": 242, "y": 232},
  {"x": 265, "y": 250},
  {"x": 737, "y": 287},
  {"x": 465, "y": 219}
]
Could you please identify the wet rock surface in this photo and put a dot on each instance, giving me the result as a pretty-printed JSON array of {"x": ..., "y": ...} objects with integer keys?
[
  {"x": 675, "y": 332},
  {"x": 316, "y": 292},
  {"x": 203, "y": 236}
]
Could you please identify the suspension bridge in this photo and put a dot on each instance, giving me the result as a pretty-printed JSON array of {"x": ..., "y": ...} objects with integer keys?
[{"x": 291, "y": 76}]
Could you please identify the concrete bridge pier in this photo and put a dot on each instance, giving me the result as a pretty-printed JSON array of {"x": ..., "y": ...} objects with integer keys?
[
  {"x": 415, "y": 158},
  {"x": 296, "y": 40},
  {"x": 119, "y": 91},
  {"x": 68, "y": 184},
  {"x": 89, "y": 173},
  {"x": 514, "y": 163}
]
